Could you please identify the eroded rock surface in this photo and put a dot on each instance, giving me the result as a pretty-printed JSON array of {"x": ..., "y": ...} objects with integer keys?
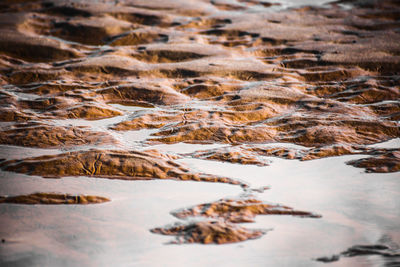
[
  {"x": 386, "y": 162},
  {"x": 368, "y": 250},
  {"x": 124, "y": 165},
  {"x": 52, "y": 199},
  {"x": 233, "y": 155},
  {"x": 47, "y": 136},
  {"x": 227, "y": 212},
  {"x": 209, "y": 232},
  {"x": 247, "y": 77},
  {"x": 380, "y": 160},
  {"x": 239, "y": 211},
  {"x": 75, "y": 75}
]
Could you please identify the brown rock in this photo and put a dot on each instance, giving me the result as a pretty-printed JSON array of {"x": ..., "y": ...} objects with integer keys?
[
  {"x": 109, "y": 164},
  {"x": 238, "y": 155},
  {"x": 47, "y": 136},
  {"x": 209, "y": 232},
  {"x": 35, "y": 49},
  {"x": 386, "y": 251},
  {"x": 63, "y": 107},
  {"x": 52, "y": 199},
  {"x": 387, "y": 162},
  {"x": 140, "y": 92},
  {"x": 240, "y": 211}
]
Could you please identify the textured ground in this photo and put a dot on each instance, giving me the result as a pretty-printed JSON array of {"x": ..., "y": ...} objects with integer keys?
[
  {"x": 79, "y": 76},
  {"x": 51, "y": 198}
]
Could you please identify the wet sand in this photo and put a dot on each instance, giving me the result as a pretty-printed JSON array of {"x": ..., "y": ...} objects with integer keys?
[{"x": 202, "y": 122}]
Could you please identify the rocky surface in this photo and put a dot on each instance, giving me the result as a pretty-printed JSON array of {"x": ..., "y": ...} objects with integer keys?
[
  {"x": 79, "y": 75},
  {"x": 269, "y": 77},
  {"x": 386, "y": 162},
  {"x": 124, "y": 165},
  {"x": 48, "y": 136},
  {"x": 228, "y": 213},
  {"x": 209, "y": 232},
  {"x": 381, "y": 160},
  {"x": 52, "y": 199},
  {"x": 367, "y": 250},
  {"x": 239, "y": 210}
]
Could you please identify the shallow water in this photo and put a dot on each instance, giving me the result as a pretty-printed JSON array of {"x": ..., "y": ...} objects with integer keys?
[
  {"x": 357, "y": 208},
  {"x": 297, "y": 3}
]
